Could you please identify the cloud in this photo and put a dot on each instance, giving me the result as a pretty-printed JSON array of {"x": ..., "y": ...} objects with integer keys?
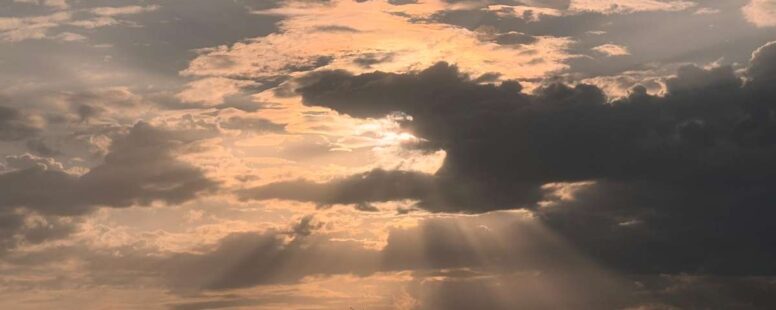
[
  {"x": 51, "y": 26},
  {"x": 140, "y": 168},
  {"x": 612, "y": 50},
  {"x": 58, "y": 4},
  {"x": 14, "y": 125},
  {"x": 636, "y": 30},
  {"x": 370, "y": 28},
  {"x": 248, "y": 259},
  {"x": 123, "y": 10},
  {"x": 211, "y": 91},
  {"x": 629, "y": 6},
  {"x": 498, "y": 260},
  {"x": 26, "y": 161},
  {"x": 658, "y": 199},
  {"x": 548, "y": 291},
  {"x": 25, "y": 228},
  {"x": 374, "y": 186},
  {"x": 245, "y": 260},
  {"x": 39, "y": 146},
  {"x": 15, "y": 29},
  {"x": 762, "y": 67},
  {"x": 69, "y": 37},
  {"x": 761, "y": 13},
  {"x": 258, "y": 125},
  {"x": 686, "y": 163},
  {"x": 621, "y": 85}
]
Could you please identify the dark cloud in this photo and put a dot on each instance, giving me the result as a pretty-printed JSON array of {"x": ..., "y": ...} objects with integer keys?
[
  {"x": 306, "y": 226},
  {"x": 402, "y": 2},
  {"x": 762, "y": 68},
  {"x": 500, "y": 260},
  {"x": 651, "y": 37},
  {"x": 368, "y": 59},
  {"x": 492, "y": 241},
  {"x": 170, "y": 34},
  {"x": 14, "y": 125},
  {"x": 237, "y": 301},
  {"x": 514, "y": 38},
  {"x": 437, "y": 193},
  {"x": 24, "y": 228},
  {"x": 335, "y": 28},
  {"x": 26, "y": 161},
  {"x": 558, "y": 291},
  {"x": 251, "y": 124},
  {"x": 373, "y": 186},
  {"x": 707, "y": 292},
  {"x": 319, "y": 62},
  {"x": 494, "y": 261},
  {"x": 555, "y": 4},
  {"x": 287, "y": 256},
  {"x": 684, "y": 179},
  {"x": 140, "y": 168},
  {"x": 249, "y": 259},
  {"x": 40, "y": 147}
]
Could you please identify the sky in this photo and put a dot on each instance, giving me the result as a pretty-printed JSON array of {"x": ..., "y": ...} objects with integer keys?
[{"x": 387, "y": 154}]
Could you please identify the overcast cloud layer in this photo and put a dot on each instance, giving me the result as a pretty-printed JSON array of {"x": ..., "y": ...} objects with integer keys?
[{"x": 387, "y": 154}]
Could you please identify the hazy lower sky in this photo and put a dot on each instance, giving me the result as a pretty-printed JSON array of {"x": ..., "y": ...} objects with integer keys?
[{"x": 387, "y": 154}]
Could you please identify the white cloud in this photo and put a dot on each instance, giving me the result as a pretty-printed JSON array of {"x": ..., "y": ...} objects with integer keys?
[
  {"x": 59, "y": 4},
  {"x": 707, "y": 11},
  {"x": 761, "y": 13},
  {"x": 376, "y": 29},
  {"x": 211, "y": 91},
  {"x": 612, "y": 50},
  {"x": 629, "y": 6},
  {"x": 123, "y": 10},
  {"x": 14, "y": 29},
  {"x": 70, "y": 37}
]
